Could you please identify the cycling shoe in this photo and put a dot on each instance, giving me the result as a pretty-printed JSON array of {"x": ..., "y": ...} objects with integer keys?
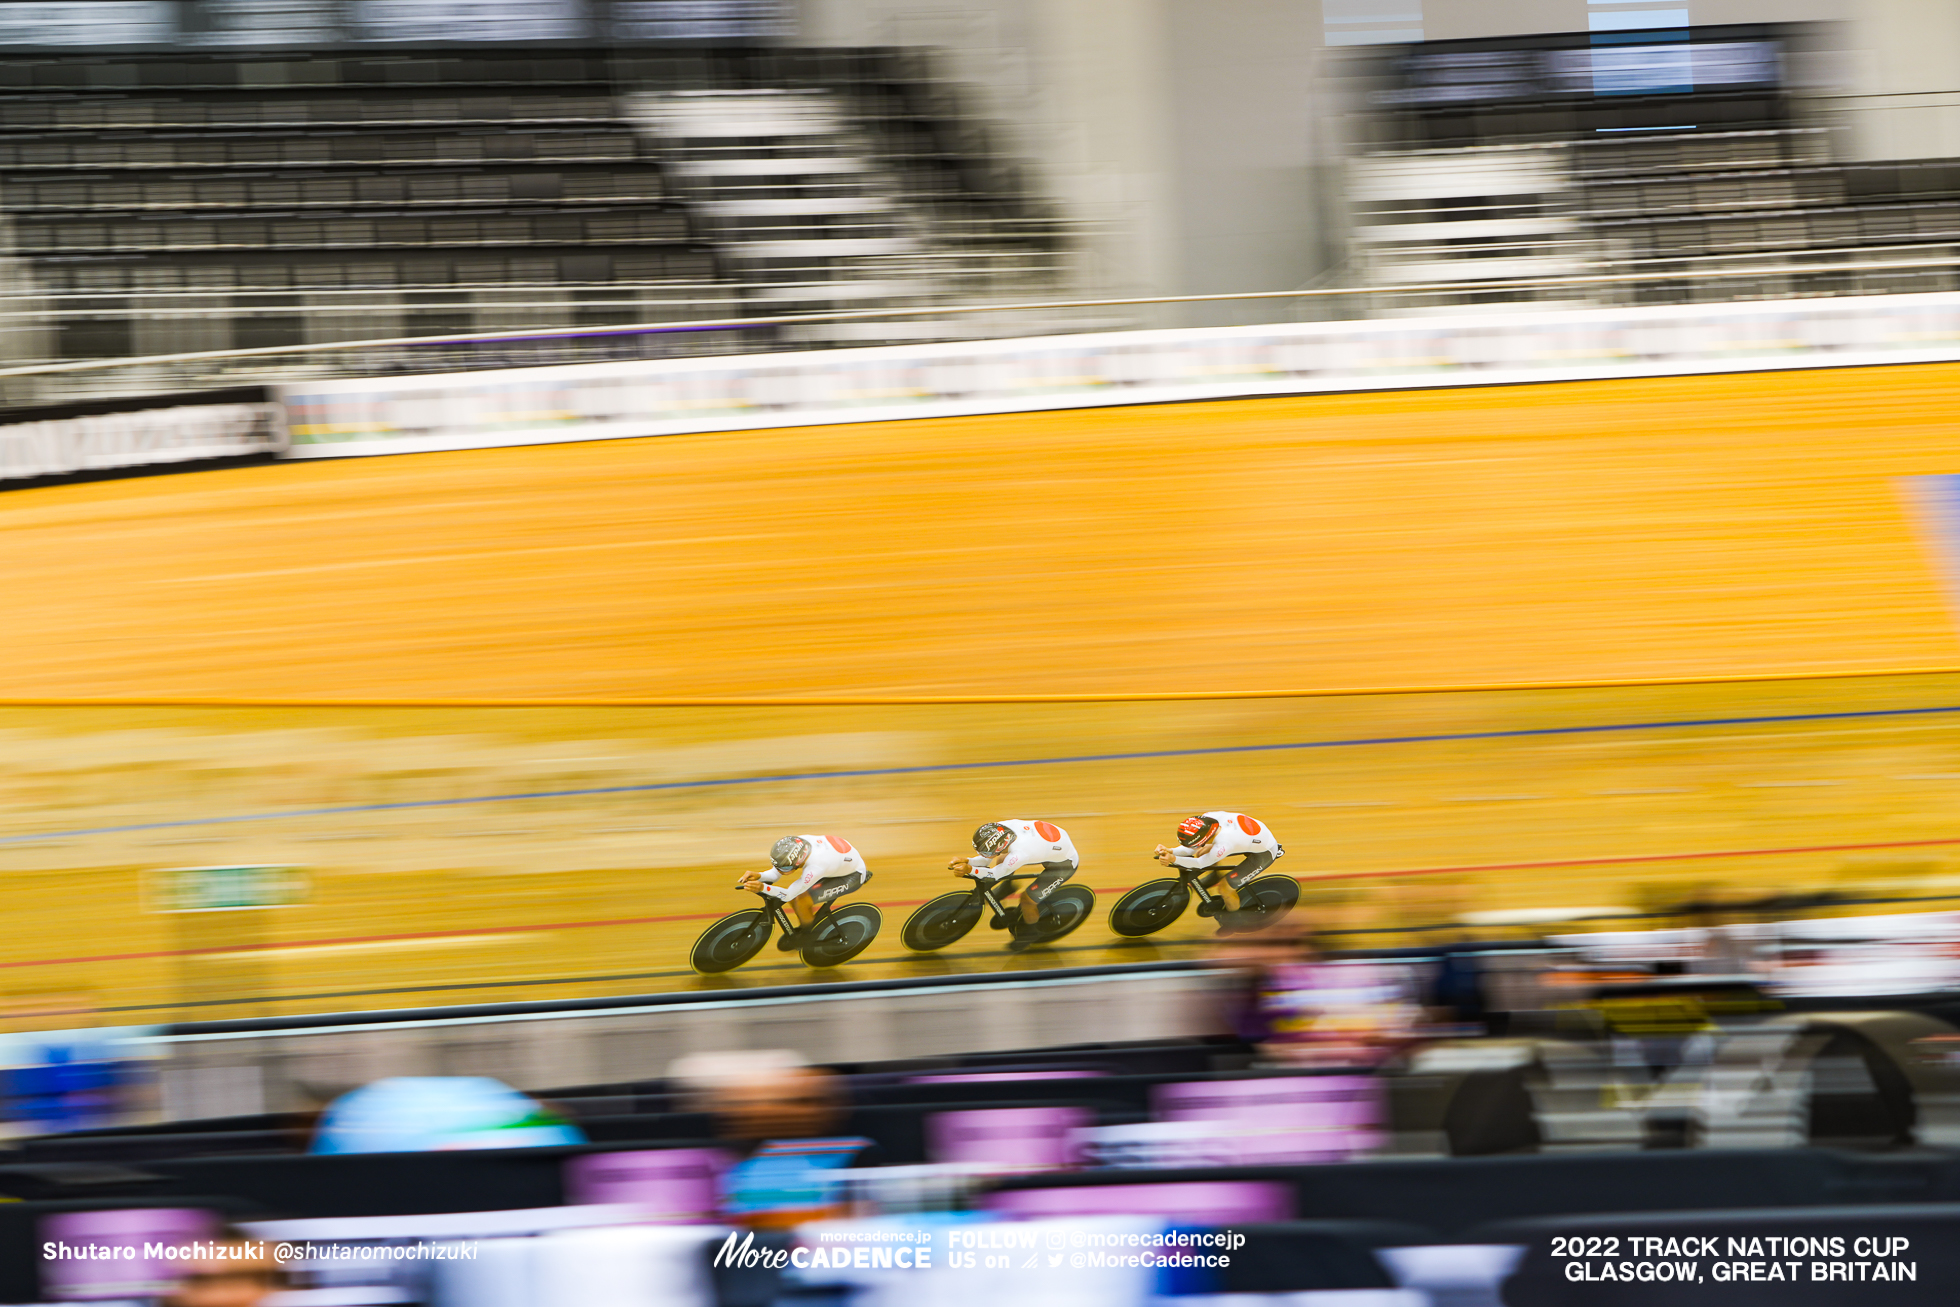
[
  {"x": 793, "y": 941},
  {"x": 1027, "y": 936}
]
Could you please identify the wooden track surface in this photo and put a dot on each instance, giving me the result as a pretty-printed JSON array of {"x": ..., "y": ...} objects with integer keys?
[
  {"x": 1699, "y": 527},
  {"x": 422, "y": 894},
  {"x": 1740, "y": 525}
]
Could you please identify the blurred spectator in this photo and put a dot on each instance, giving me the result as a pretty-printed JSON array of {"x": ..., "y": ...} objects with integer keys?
[
  {"x": 1724, "y": 948},
  {"x": 1458, "y": 987},
  {"x": 240, "y": 1272},
  {"x": 777, "y": 1116},
  {"x": 1250, "y": 960},
  {"x": 1336, "y": 1014},
  {"x": 418, "y": 1114},
  {"x": 59, "y": 1080}
]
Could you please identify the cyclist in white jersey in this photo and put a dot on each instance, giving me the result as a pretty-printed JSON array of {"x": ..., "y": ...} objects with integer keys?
[
  {"x": 1210, "y": 837},
  {"x": 1015, "y": 845},
  {"x": 819, "y": 870}
]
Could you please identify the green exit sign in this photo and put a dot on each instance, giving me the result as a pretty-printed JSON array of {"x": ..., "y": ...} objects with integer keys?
[{"x": 221, "y": 889}]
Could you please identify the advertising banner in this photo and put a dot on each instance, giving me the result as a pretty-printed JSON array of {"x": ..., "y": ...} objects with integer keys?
[
  {"x": 607, "y": 401},
  {"x": 111, "y": 435}
]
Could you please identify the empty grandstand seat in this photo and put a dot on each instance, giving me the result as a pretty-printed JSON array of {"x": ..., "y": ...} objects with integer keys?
[
  {"x": 331, "y": 157},
  {"x": 225, "y": 168}
]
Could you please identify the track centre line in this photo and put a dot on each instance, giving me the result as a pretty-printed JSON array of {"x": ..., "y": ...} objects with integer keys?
[
  {"x": 1387, "y": 873},
  {"x": 998, "y": 765}
]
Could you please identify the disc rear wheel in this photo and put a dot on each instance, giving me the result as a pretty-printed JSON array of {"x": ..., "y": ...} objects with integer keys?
[
  {"x": 1266, "y": 900},
  {"x": 1071, "y": 905},
  {"x": 846, "y": 933},
  {"x": 941, "y": 921},
  {"x": 1149, "y": 907},
  {"x": 731, "y": 941}
]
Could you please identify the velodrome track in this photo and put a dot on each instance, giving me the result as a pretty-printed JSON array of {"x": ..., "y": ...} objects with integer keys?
[{"x": 436, "y": 681}]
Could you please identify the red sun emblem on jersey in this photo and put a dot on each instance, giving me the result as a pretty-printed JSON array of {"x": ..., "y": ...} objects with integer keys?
[
  {"x": 1249, "y": 826},
  {"x": 1048, "y": 831},
  {"x": 838, "y": 844}
]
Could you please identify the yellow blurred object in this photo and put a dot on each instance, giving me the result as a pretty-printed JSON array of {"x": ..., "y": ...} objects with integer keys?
[
  {"x": 1733, "y": 525},
  {"x": 1673, "y": 532}
]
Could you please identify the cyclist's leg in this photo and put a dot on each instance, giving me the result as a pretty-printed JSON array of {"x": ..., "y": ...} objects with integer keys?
[
  {"x": 797, "y": 896},
  {"x": 1250, "y": 865},
  {"x": 827, "y": 892},
  {"x": 1217, "y": 882},
  {"x": 999, "y": 887},
  {"x": 1053, "y": 876}
]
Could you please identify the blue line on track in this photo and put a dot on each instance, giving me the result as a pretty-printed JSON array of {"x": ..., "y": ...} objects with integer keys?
[{"x": 1216, "y": 750}]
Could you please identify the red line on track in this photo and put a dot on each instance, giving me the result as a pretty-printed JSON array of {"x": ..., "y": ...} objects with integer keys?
[
  {"x": 1625, "y": 860},
  {"x": 1636, "y": 858}
]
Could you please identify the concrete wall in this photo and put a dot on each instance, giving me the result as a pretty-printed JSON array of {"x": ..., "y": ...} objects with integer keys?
[
  {"x": 1245, "y": 144},
  {"x": 1902, "y": 97},
  {"x": 1178, "y": 135},
  {"x": 232, "y": 1074},
  {"x": 1197, "y": 143}
]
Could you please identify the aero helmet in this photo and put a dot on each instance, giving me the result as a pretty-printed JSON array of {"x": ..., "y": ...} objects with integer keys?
[
  {"x": 992, "y": 839},
  {"x": 1192, "y": 831},
  {"x": 788, "y": 851}
]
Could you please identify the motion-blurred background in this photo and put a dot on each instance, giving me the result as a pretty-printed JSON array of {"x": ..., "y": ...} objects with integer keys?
[{"x": 1507, "y": 449}]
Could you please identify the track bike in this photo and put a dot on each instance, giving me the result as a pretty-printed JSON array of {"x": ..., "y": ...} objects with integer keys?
[
  {"x": 949, "y": 917},
  {"x": 1155, "y": 904},
  {"x": 836, "y": 935}
]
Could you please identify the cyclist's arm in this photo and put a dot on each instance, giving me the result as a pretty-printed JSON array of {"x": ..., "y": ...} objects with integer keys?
[
  {"x": 1225, "y": 845},
  {"x": 1005, "y": 864},
  {"x": 763, "y": 883}
]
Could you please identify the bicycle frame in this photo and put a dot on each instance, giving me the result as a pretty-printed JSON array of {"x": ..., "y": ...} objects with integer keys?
[
  {"x": 991, "y": 890},
  {"x": 1200, "y": 881},
  {"x": 779, "y": 912}
]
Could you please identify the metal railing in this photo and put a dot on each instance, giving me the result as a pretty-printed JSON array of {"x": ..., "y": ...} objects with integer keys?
[{"x": 461, "y": 351}]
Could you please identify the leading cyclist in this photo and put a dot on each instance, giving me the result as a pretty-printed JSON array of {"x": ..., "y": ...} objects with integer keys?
[
  {"x": 1014, "y": 845},
  {"x": 1210, "y": 837},
  {"x": 820, "y": 869}
]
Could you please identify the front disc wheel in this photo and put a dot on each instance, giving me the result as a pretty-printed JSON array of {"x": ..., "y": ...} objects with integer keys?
[
  {"x": 731, "y": 941},
  {"x": 941, "y": 921},
  {"x": 1149, "y": 907}
]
